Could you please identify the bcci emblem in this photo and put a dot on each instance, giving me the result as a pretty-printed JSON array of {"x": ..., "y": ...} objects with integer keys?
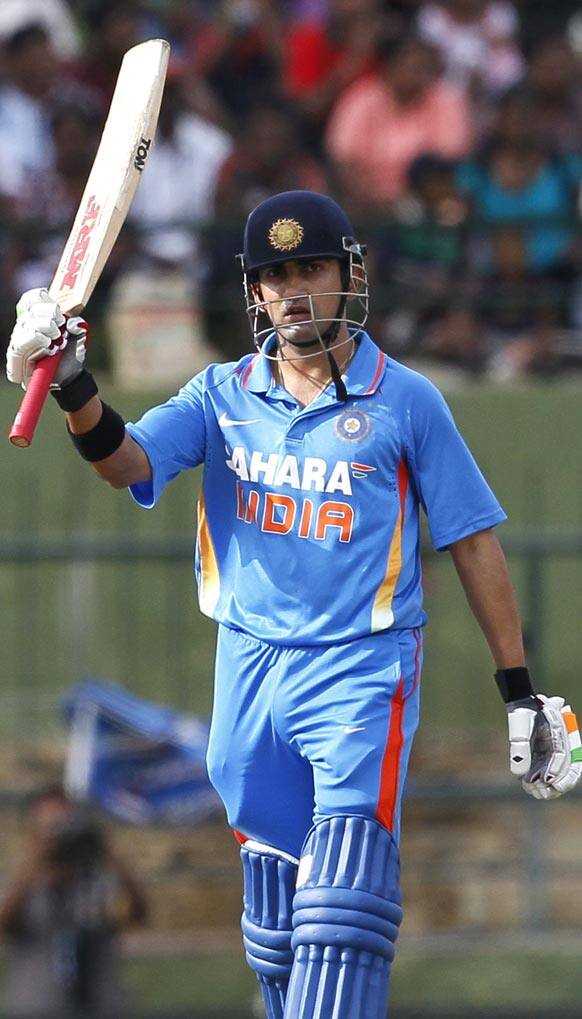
[
  {"x": 286, "y": 234},
  {"x": 352, "y": 426}
]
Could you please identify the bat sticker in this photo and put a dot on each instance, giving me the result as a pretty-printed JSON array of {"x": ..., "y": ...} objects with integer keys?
[
  {"x": 141, "y": 155},
  {"x": 81, "y": 243}
]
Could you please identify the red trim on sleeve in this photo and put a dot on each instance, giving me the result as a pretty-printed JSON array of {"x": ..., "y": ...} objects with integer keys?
[
  {"x": 379, "y": 369},
  {"x": 390, "y": 775},
  {"x": 240, "y": 837}
]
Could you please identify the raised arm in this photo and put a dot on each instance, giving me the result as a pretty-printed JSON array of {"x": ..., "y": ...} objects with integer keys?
[{"x": 127, "y": 465}]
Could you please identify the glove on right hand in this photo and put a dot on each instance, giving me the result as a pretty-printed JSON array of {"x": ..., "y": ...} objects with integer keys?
[
  {"x": 545, "y": 745},
  {"x": 42, "y": 330}
]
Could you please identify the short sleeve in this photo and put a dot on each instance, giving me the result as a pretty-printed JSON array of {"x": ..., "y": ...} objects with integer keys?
[
  {"x": 452, "y": 490},
  {"x": 173, "y": 437}
]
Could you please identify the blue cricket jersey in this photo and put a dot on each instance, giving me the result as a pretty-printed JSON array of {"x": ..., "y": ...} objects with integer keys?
[{"x": 308, "y": 517}]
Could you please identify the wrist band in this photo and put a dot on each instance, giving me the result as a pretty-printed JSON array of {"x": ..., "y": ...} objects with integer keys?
[
  {"x": 514, "y": 684},
  {"x": 77, "y": 393},
  {"x": 102, "y": 440}
]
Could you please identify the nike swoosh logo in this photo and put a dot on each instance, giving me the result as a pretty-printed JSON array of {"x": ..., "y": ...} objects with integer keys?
[
  {"x": 224, "y": 421},
  {"x": 354, "y": 728}
]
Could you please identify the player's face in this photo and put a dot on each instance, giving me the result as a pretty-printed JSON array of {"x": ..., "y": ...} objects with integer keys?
[{"x": 296, "y": 293}]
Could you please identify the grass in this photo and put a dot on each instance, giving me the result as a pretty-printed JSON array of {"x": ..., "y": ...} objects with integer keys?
[
  {"x": 475, "y": 978},
  {"x": 209, "y": 983},
  {"x": 482, "y": 979}
]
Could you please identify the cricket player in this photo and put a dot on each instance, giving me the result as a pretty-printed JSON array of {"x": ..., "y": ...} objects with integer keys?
[{"x": 319, "y": 453}]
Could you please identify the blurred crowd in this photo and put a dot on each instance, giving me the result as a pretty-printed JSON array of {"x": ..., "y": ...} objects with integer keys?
[{"x": 451, "y": 130}]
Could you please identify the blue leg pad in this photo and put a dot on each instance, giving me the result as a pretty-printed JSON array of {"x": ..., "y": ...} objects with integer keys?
[
  {"x": 346, "y": 915},
  {"x": 269, "y": 880}
]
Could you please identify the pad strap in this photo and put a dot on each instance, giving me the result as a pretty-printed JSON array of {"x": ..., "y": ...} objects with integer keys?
[{"x": 102, "y": 440}]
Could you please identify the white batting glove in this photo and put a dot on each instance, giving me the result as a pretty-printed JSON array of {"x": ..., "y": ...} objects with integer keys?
[
  {"x": 545, "y": 749},
  {"x": 42, "y": 330}
]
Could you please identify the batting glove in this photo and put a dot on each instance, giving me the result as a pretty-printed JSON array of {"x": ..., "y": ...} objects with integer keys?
[
  {"x": 545, "y": 750},
  {"x": 42, "y": 330}
]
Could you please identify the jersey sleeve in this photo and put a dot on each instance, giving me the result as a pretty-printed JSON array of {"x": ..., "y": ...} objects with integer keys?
[
  {"x": 452, "y": 490},
  {"x": 173, "y": 437}
]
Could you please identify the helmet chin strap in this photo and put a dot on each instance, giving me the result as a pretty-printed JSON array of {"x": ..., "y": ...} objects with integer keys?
[{"x": 328, "y": 338}]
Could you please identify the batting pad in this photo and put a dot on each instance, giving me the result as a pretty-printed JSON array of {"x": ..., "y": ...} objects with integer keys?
[
  {"x": 346, "y": 915},
  {"x": 269, "y": 879}
]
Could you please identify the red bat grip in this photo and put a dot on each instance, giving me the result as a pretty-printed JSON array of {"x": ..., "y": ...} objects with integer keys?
[{"x": 26, "y": 420}]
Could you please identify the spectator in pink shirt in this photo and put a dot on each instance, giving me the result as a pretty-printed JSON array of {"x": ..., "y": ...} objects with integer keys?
[{"x": 381, "y": 124}]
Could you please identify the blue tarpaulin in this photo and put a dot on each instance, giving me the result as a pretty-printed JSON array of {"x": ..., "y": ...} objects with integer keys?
[{"x": 140, "y": 761}]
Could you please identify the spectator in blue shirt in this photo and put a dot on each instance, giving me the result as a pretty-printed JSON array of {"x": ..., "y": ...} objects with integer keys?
[{"x": 523, "y": 199}]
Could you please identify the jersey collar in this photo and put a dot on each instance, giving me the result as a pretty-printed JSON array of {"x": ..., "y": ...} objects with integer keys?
[
  {"x": 366, "y": 369},
  {"x": 362, "y": 376}
]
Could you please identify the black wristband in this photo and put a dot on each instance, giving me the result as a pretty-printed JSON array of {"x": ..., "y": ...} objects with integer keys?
[
  {"x": 514, "y": 684},
  {"x": 77, "y": 393},
  {"x": 102, "y": 440}
]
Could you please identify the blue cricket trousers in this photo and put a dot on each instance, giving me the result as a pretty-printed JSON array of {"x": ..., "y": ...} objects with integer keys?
[{"x": 303, "y": 733}]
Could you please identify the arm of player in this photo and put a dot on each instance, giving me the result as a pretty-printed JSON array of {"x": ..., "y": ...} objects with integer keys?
[
  {"x": 128, "y": 465},
  {"x": 544, "y": 741},
  {"x": 483, "y": 572}
]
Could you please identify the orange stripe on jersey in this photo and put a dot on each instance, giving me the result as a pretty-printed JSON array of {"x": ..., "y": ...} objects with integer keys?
[
  {"x": 209, "y": 588},
  {"x": 390, "y": 774},
  {"x": 570, "y": 721},
  {"x": 240, "y": 837},
  {"x": 382, "y": 616}
]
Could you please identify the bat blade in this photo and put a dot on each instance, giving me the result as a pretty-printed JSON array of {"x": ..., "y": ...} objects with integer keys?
[{"x": 111, "y": 185}]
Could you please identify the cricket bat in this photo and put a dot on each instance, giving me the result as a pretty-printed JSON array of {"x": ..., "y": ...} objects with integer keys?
[{"x": 111, "y": 185}]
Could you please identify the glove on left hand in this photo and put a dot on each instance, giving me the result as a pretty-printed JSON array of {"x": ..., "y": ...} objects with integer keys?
[{"x": 545, "y": 745}]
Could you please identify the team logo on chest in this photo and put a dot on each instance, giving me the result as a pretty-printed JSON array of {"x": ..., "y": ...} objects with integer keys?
[{"x": 352, "y": 425}]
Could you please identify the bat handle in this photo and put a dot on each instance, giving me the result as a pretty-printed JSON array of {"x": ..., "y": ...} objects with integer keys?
[{"x": 26, "y": 420}]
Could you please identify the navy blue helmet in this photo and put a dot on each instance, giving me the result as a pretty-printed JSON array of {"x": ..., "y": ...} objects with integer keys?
[{"x": 297, "y": 225}]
